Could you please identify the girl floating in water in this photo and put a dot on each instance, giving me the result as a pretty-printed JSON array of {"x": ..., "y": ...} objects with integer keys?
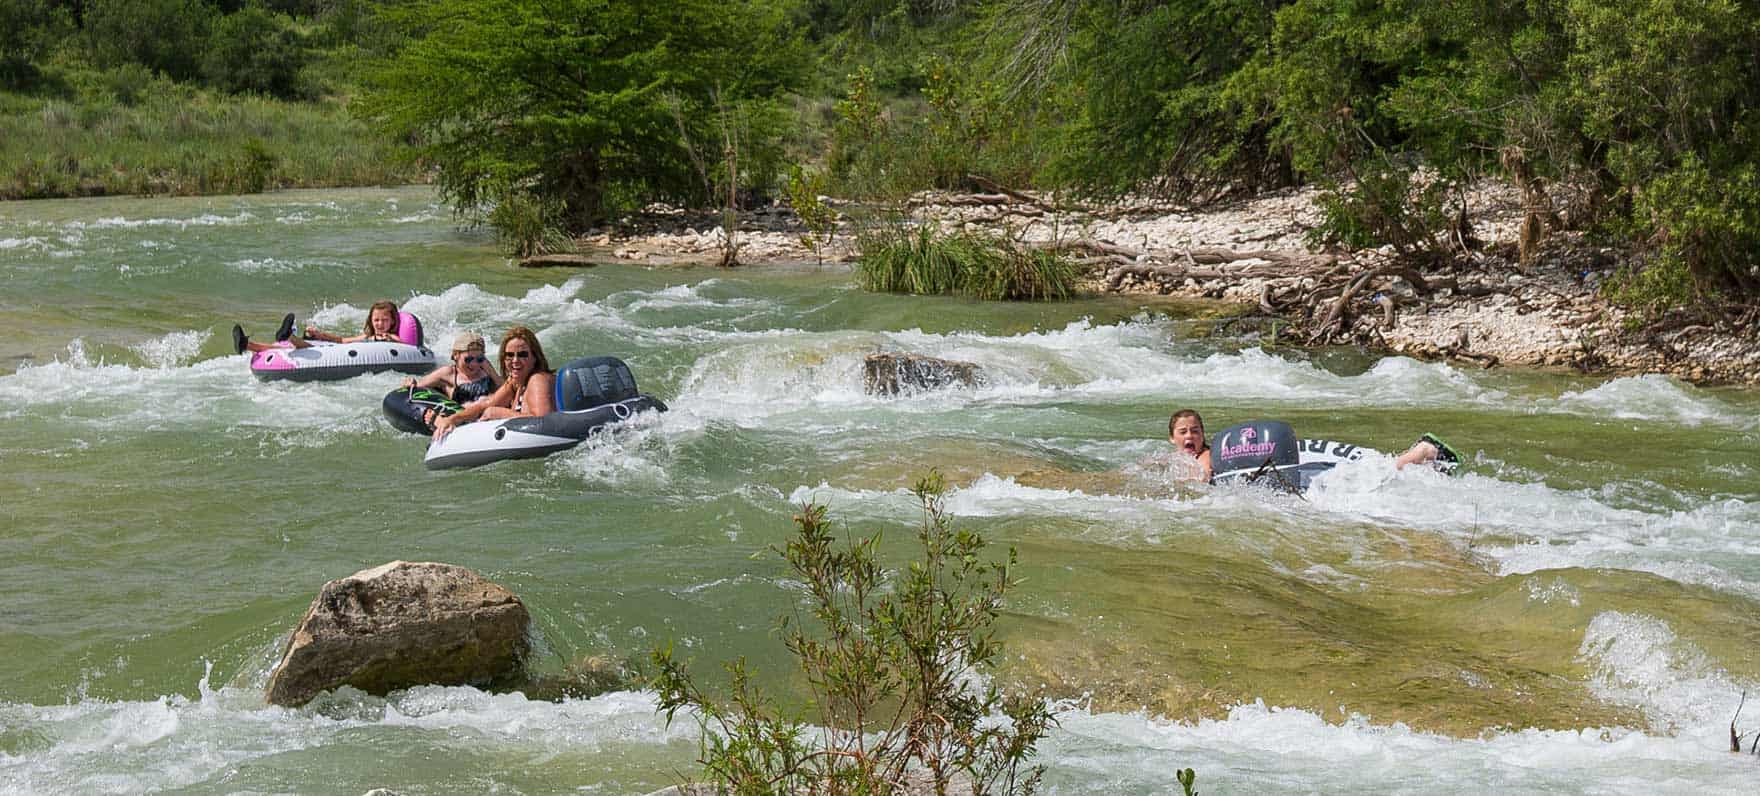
[
  {"x": 381, "y": 326},
  {"x": 1185, "y": 429}
]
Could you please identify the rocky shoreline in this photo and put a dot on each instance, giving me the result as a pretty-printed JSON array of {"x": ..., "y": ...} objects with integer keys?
[{"x": 1487, "y": 309}]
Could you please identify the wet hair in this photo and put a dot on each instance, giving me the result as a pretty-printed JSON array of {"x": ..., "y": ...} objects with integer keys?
[
  {"x": 1203, "y": 444},
  {"x": 539, "y": 364},
  {"x": 367, "y": 328}
]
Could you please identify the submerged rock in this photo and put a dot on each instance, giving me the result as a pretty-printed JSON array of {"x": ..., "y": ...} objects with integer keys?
[
  {"x": 399, "y": 625},
  {"x": 889, "y": 374}
]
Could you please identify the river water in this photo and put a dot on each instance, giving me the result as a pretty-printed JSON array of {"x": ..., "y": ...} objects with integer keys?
[{"x": 1573, "y": 613}]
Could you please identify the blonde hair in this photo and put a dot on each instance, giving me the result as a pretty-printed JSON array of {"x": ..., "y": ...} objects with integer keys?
[
  {"x": 367, "y": 328},
  {"x": 465, "y": 341}
]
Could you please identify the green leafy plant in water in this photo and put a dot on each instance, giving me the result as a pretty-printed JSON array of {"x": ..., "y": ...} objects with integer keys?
[
  {"x": 891, "y": 661},
  {"x": 1025, "y": 274},
  {"x": 922, "y": 259},
  {"x": 1186, "y": 779},
  {"x": 528, "y": 225},
  {"x": 898, "y": 258}
]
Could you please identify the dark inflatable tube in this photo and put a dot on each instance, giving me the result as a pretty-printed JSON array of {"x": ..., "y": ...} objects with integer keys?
[
  {"x": 407, "y": 408},
  {"x": 1267, "y": 452}
]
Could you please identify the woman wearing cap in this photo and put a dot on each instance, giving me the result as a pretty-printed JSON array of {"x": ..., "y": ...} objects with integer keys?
[
  {"x": 526, "y": 391},
  {"x": 467, "y": 377}
]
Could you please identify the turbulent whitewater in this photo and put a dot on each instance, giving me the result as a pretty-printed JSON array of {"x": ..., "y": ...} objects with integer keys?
[{"x": 1573, "y": 612}]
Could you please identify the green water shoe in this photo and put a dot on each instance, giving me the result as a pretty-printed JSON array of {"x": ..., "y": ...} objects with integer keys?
[{"x": 1444, "y": 453}]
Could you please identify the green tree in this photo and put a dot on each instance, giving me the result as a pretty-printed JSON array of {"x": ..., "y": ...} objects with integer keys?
[
  {"x": 1667, "y": 90},
  {"x": 162, "y": 35},
  {"x": 28, "y": 30},
  {"x": 1149, "y": 93},
  {"x": 254, "y": 50},
  {"x": 593, "y": 103}
]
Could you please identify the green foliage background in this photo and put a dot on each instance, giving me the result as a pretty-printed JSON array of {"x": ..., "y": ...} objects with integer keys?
[
  {"x": 594, "y": 103},
  {"x": 1632, "y": 120}
]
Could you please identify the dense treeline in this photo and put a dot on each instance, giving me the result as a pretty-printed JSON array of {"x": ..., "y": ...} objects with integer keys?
[
  {"x": 260, "y": 46},
  {"x": 1631, "y": 120},
  {"x": 185, "y": 96}
]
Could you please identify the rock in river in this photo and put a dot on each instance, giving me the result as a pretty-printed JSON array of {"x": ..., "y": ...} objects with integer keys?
[
  {"x": 399, "y": 625},
  {"x": 888, "y": 374}
]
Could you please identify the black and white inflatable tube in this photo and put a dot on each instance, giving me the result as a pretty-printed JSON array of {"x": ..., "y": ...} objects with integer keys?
[
  {"x": 1268, "y": 452},
  {"x": 592, "y": 393}
]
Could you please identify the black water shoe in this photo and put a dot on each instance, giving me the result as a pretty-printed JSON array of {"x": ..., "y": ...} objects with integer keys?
[
  {"x": 238, "y": 338},
  {"x": 286, "y": 329}
]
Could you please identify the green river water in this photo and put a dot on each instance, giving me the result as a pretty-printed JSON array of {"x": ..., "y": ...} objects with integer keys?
[{"x": 1573, "y": 613}]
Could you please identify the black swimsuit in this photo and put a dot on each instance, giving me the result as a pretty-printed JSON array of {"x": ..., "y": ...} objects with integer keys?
[{"x": 468, "y": 391}]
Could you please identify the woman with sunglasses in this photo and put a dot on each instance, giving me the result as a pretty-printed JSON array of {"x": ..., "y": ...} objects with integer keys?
[
  {"x": 525, "y": 392},
  {"x": 467, "y": 378}
]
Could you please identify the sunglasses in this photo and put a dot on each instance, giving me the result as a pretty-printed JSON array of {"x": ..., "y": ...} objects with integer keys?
[
  {"x": 472, "y": 359},
  {"x": 516, "y": 355}
]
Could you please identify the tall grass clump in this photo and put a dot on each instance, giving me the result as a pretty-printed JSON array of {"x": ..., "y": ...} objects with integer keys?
[
  {"x": 528, "y": 225},
  {"x": 924, "y": 260},
  {"x": 896, "y": 258},
  {"x": 896, "y": 661}
]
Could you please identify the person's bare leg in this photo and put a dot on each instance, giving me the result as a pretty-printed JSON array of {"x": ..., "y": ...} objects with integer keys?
[{"x": 1420, "y": 452}]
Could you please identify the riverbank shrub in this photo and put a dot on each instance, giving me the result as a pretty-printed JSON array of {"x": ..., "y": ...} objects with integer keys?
[
  {"x": 897, "y": 661},
  {"x": 250, "y": 169},
  {"x": 803, "y": 190},
  {"x": 922, "y": 259},
  {"x": 1706, "y": 253}
]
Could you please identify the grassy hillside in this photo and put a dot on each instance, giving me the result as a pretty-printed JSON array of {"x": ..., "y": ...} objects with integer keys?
[{"x": 173, "y": 139}]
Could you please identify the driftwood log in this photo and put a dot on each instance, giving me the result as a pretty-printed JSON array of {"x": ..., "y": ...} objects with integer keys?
[{"x": 555, "y": 260}]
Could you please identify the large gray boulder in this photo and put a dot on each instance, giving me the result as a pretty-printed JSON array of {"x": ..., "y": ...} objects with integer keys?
[
  {"x": 399, "y": 625},
  {"x": 890, "y": 374}
]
